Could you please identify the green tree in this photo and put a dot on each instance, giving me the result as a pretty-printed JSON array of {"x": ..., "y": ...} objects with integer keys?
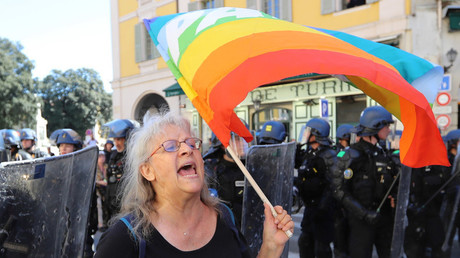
[
  {"x": 17, "y": 100},
  {"x": 74, "y": 99}
]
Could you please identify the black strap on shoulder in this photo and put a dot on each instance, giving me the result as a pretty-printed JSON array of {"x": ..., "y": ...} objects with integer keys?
[
  {"x": 127, "y": 220},
  {"x": 229, "y": 219}
]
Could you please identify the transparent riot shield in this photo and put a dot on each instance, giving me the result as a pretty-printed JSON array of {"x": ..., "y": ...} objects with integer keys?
[
  {"x": 400, "y": 222},
  {"x": 272, "y": 167},
  {"x": 44, "y": 204}
]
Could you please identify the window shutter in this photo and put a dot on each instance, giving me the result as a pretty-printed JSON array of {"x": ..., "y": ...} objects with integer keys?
[
  {"x": 138, "y": 42},
  {"x": 286, "y": 10},
  {"x": 251, "y": 4},
  {"x": 327, "y": 6},
  {"x": 371, "y": 1},
  {"x": 155, "y": 52},
  {"x": 193, "y": 6},
  {"x": 219, "y": 3}
]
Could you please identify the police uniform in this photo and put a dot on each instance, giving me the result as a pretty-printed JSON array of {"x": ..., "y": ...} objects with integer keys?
[
  {"x": 119, "y": 128},
  {"x": 363, "y": 176},
  {"x": 425, "y": 230},
  {"x": 114, "y": 174},
  {"x": 313, "y": 182},
  {"x": 230, "y": 186}
]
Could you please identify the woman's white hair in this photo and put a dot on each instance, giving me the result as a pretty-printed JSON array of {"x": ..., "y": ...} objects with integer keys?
[{"x": 136, "y": 193}]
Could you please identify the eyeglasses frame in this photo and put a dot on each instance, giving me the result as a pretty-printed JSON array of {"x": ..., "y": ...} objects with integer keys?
[{"x": 178, "y": 145}]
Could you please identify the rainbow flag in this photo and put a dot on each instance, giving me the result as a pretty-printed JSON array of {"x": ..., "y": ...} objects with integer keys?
[{"x": 219, "y": 55}]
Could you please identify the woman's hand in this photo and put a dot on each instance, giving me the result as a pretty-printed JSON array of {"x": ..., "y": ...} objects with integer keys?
[{"x": 274, "y": 236}]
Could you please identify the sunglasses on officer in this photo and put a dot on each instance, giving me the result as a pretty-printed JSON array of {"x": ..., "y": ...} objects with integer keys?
[{"x": 174, "y": 145}]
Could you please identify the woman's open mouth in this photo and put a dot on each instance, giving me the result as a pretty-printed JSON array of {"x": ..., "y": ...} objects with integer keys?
[{"x": 187, "y": 170}]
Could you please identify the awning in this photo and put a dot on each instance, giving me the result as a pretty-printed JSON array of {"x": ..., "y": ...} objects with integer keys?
[{"x": 174, "y": 90}]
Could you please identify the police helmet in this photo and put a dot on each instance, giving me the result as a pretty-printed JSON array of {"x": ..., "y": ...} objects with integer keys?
[
  {"x": 344, "y": 131},
  {"x": 215, "y": 149},
  {"x": 272, "y": 132},
  {"x": 121, "y": 128},
  {"x": 320, "y": 128},
  {"x": 11, "y": 138},
  {"x": 373, "y": 119},
  {"x": 69, "y": 136},
  {"x": 28, "y": 134},
  {"x": 54, "y": 136}
]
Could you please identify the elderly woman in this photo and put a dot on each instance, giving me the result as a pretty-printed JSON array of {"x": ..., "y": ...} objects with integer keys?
[{"x": 170, "y": 211}]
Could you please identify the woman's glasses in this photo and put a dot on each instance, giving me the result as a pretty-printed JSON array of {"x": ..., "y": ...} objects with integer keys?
[{"x": 174, "y": 145}]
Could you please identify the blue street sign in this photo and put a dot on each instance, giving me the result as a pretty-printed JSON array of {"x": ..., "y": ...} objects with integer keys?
[
  {"x": 324, "y": 108},
  {"x": 446, "y": 81}
]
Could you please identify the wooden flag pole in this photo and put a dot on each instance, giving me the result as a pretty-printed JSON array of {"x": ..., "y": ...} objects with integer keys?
[{"x": 255, "y": 185}]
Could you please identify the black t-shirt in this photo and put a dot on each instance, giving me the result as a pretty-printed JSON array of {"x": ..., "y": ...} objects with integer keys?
[{"x": 117, "y": 241}]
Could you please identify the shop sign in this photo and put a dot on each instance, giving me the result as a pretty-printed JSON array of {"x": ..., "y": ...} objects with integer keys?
[{"x": 301, "y": 90}]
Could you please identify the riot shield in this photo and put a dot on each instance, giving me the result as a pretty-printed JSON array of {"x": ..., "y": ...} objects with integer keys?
[
  {"x": 400, "y": 222},
  {"x": 449, "y": 208},
  {"x": 44, "y": 204},
  {"x": 272, "y": 167}
]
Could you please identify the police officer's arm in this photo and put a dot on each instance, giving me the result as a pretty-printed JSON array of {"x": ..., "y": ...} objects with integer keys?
[
  {"x": 330, "y": 159},
  {"x": 340, "y": 191}
]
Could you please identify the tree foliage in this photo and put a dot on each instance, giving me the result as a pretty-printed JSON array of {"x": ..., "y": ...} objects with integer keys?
[
  {"x": 74, "y": 99},
  {"x": 17, "y": 100}
]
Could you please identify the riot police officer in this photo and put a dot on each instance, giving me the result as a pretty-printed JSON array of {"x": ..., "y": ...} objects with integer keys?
[
  {"x": 225, "y": 175},
  {"x": 343, "y": 137},
  {"x": 425, "y": 233},
  {"x": 28, "y": 141},
  {"x": 313, "y": 182},
  {"x": 119, "y": 131},
  {"x": 451, "y": 140},
  {"x": 363, "y": 176},
  {"x": 452, "y": 143},
  {"x": 341, "y": 230},
  {"x": 272, "y": 132},
  {"x": 12, "y": 141},
  {"x": 68, "y": 141}
]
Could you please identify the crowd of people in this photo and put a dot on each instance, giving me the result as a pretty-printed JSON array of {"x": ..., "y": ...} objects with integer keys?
[{"x": 155, "y": 194}]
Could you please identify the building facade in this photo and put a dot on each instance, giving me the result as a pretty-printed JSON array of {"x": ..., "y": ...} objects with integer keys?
[{"x": 142, "y": 80}]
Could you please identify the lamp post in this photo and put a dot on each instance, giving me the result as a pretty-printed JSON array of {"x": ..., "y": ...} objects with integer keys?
[{"x": 451, "y": 56}]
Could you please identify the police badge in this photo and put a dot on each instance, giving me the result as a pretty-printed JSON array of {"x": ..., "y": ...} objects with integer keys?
[{"x": 348, "y": 173}]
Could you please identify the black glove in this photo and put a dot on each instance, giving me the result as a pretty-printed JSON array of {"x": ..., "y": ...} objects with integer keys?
[{"x": 372, "y": 217}]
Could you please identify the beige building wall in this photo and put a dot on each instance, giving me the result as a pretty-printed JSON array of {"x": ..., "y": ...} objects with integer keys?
[{"x": 386, "y": 21}]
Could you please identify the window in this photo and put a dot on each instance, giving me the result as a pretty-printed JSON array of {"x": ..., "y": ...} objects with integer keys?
[
  {"x": 209, "y": 4},
  {"x": 330, "y": 6},
  {"x": 278, "y": 8},
  {"x": 205, "y": 4},
  {"x": 144, "y": 47},
  {"x": 280, "y": 114},
  {"x": 271, "y": 7}
]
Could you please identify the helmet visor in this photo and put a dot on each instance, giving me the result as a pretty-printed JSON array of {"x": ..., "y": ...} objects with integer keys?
[
  {"x": 354, "y": 138},
  {"x": 306, "y": 135},
  {"x": 238, "y": 145}
]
